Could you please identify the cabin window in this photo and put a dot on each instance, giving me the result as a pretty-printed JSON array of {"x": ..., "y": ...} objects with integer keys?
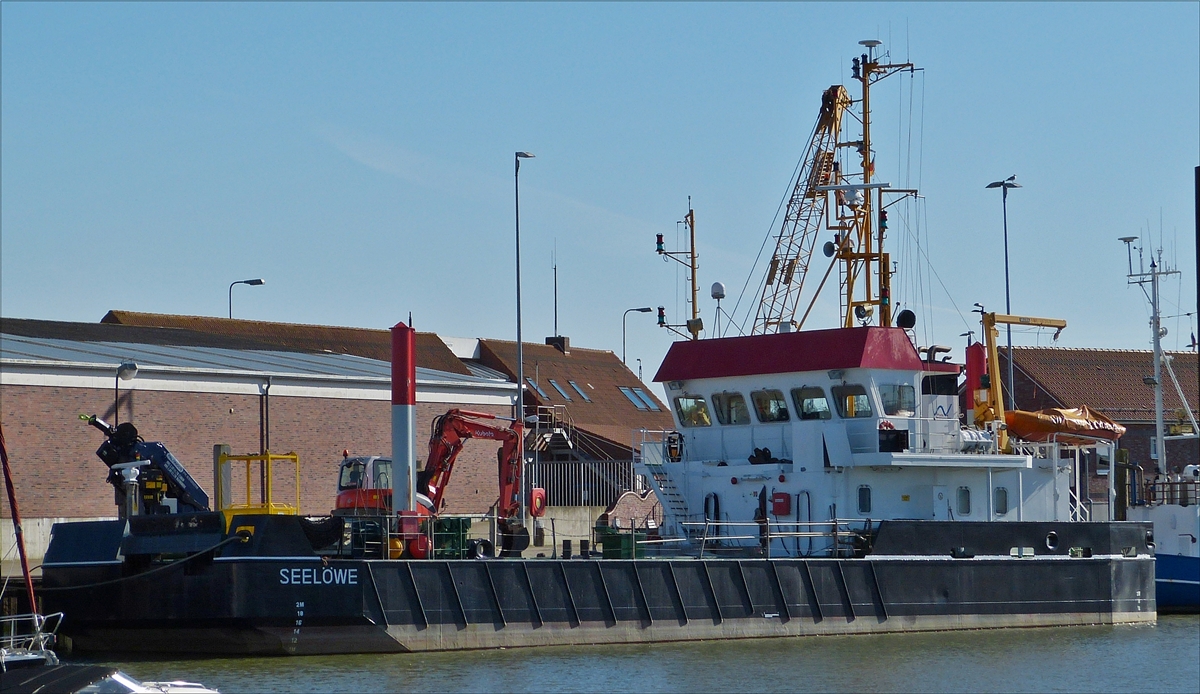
[
  {"x": 811, "y": 403},
  {"x": 692, "y": 411},
  {"x": 864, "y": 499},
  {"x": 852, "y": 401},
  {"x": 945, "y": 384},
  {"x": 1000, "y": 500},
  {"x": 898, "y": 399},
  {"x": 769, "y": 405},
  {"x": 352, "y": 475},
  {"x": 964, "y": 501},
  {"x": 731, "y": 408},
  {"x": 383, "y": 474}
]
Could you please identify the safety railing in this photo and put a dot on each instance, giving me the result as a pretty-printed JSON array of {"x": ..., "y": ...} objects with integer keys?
[
  {"x": 28, "y": 634},
  {"x": 584, "y": 482},
  {"x": 1173, "y": 492},
  {"x": 840, "y": 532}
]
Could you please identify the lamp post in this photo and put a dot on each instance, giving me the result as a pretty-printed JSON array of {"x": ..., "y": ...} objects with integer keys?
[
  {"x": 520, "y": 423},
  {"x": 1010, "y": 182},
  {"x": 644, "y": 309},
  {"x": 254, "y": 283},
  {"x": 125, "y": 372}
]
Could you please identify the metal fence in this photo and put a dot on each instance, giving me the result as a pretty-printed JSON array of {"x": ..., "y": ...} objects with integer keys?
[{"x": 585, "y": 482}]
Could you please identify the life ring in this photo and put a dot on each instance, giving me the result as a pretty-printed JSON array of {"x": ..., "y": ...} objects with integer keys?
[{"x": 537, "y": 502}]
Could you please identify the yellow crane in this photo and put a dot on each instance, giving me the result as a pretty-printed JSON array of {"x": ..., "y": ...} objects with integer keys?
[{"x": 989, "y": 402}]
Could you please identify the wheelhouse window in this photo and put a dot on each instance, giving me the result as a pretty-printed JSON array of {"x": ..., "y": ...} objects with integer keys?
[
  {"x": 864, "y": 499},
  {"x": 898, "y": 399},
  {"x": 852, "y": 401},
  {"x": 811, "y": 403},
  {"x": 769, "y": 405},
  {"x": 730, "y": 408},
  {"x": 1000, "y": 501},
  {"x": 942, "y": 384},
  {"x": 692, "y": 411},
  {"x": 964, "y": 501}
]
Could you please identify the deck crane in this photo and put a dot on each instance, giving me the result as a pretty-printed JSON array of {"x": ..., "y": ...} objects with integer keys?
[{"x": 858, "y": 241}]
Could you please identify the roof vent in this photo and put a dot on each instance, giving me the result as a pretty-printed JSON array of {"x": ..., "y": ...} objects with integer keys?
[{"x": 561, "y": 342}]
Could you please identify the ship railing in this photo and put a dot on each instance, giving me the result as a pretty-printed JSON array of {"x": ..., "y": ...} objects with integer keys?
[
  {"x": 25, "y": 634},
  {"x": 584, "y": 482},
  {"x": 840, "y": 532},
  {"x": 1171, "y": 492}
]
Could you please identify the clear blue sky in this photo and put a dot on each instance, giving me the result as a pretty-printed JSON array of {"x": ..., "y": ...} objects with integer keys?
[{"x": 359, "y": 157}]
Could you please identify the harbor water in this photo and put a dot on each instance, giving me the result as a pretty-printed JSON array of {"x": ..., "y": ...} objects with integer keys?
[{"x": 1160, "y": 658}]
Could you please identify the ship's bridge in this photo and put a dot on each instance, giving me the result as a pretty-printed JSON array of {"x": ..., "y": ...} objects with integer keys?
[{"x": 827, "y": 398}]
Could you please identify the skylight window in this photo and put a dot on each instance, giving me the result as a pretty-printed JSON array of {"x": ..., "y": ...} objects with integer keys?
[
  {"x": 647, "y": 399},
  {"x": 536, "y": 387},
  {"x": 580, "y": 391},
  {"x": 560, "y": 390},
  {"x": 637, "y": 402}
]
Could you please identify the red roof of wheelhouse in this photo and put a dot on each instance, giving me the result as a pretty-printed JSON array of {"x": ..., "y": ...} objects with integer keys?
[{"x": 813, "y": 350}]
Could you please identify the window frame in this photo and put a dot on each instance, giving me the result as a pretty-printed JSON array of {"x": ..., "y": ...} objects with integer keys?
[
  {"x": 864, "y": 488},
  {"x": 840, "y": 404},
  {"x": 560, "y": 389},
  {"x": 782, "y": 400},
  {"x": 996, "y": 492},
  {"x": 900, "y": 410},
  {"x": 684, "y": 422},
  {"x": 579, "y": 390},
  {"x": 633, "y": 399},
  {"x": 719, "y": 408},
  {"x": 958, "y": 501},
  {"x": 537, "y": 388},
  {"x": 646, "y": 399},
  {"x": 798, "y": 401}
]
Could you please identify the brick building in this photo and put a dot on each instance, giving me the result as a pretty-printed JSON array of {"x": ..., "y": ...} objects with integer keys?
[
  {"x": 1110, "y": 382},
  {"x": 314, "y": 390}
]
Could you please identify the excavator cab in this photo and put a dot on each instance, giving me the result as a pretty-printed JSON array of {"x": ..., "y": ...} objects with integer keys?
[{"x": 364, "y": 485}]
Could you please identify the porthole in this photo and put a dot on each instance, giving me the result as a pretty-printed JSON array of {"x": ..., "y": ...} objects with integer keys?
[{"x": 1051, "y": 540}]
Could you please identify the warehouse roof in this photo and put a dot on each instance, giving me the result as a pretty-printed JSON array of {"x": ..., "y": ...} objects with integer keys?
[{"x": 372, "y": 343}]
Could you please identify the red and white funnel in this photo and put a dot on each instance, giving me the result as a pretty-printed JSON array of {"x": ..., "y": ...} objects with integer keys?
[{"x": 404, "y": 417}]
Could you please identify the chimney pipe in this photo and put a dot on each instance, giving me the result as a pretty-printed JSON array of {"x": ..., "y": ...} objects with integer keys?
[{"x": 404, "y": 417}]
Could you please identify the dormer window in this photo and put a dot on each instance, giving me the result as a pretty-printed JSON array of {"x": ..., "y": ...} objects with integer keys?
[
  {"x": 898, "y": 399},
  {"x": 731, "y": 408},
  {"x": 769, "y": 405},
  {"x": 852, "y": 401}
]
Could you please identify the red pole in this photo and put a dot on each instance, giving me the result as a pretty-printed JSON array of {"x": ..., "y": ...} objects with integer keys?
[{"x": 16, "y": 516}]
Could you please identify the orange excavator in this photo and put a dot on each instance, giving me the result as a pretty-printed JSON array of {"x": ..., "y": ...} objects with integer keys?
[{"x": 362, "y": 479}]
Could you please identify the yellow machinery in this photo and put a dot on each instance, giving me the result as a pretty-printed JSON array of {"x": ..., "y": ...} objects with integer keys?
[
  {"x": 266, "y": 465},
  {"x": 989, "y": 402}
]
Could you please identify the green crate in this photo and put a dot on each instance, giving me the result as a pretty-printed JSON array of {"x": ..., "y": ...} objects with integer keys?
[{"x": 623, "y": 546}]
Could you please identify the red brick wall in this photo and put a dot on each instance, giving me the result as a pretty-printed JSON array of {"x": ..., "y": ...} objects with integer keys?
[{"x": 57, "y": 473}]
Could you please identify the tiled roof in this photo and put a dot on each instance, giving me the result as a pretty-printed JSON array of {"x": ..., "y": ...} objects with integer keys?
[
  {"x": 599, "y": 373},
  {"x": 1108, "y": 380},
  {"x": 371, "y": 343},
  {"x": 103, "y": 332}
]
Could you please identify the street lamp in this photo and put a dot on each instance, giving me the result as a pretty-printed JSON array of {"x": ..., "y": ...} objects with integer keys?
[
  {"x": 1010, "y": 182},
  {"x": 519, "y": 425},
  {"x": 125, "y": 372},
  {"x": 644, "y": 309},
  {"x": 253, "y": 283}
]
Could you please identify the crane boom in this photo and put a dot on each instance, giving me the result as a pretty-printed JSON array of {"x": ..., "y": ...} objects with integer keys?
[
  {"x": 802, "y": 221},
  {"x": 991, "y": 408}
]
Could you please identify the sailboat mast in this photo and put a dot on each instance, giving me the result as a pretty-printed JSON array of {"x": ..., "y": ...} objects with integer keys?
[{"x": 1155, "y": 325}]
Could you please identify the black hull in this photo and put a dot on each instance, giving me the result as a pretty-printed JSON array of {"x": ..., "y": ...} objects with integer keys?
[{"x": 304, "y": 605}]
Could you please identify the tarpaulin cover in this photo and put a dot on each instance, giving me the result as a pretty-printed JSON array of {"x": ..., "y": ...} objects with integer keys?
[{"x": 1043, "y": 425}]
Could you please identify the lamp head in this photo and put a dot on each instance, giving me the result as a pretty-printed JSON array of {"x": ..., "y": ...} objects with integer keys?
[
  {"x": 127, "y": 371},
  {"x": 525, "y": 155},
  {"x": 644, "y": 309}
]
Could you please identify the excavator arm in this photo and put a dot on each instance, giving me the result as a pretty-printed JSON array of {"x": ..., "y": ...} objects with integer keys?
[{"x": 450, "y": 432}]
